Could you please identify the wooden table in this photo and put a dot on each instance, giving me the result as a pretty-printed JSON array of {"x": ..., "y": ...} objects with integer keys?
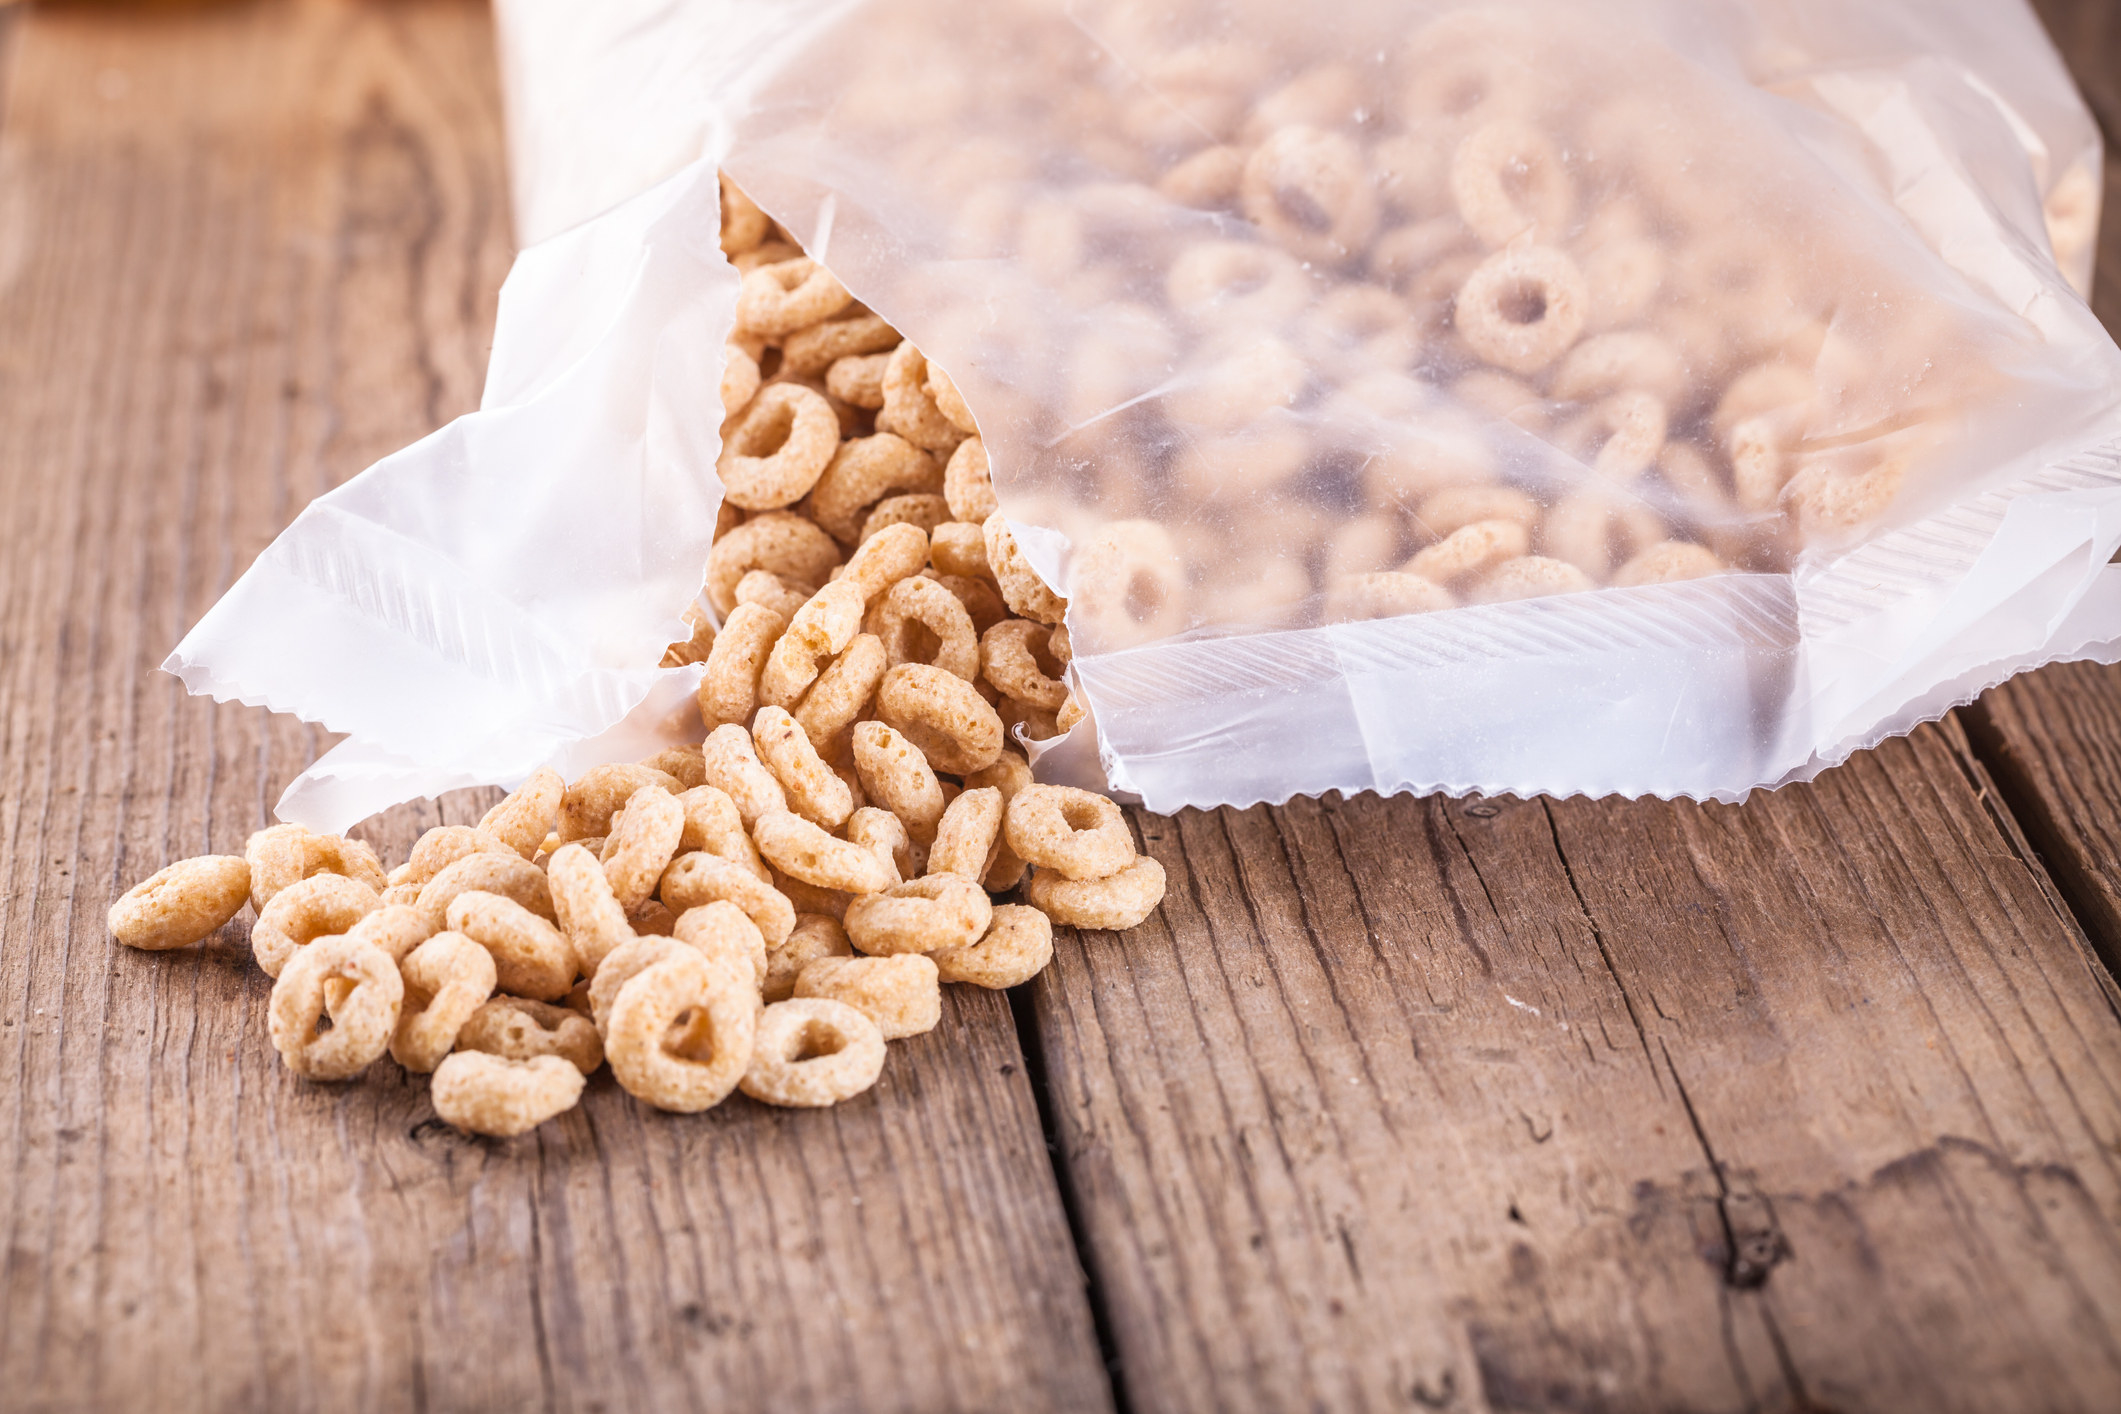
[{"x": 1811, "y": 1104}]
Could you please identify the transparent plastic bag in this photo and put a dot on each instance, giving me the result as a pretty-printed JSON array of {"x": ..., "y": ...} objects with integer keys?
[{"x": 1667, "y": 399}]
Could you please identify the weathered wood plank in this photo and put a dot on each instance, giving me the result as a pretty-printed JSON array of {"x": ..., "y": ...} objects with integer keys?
[
  {"x": 1810, "y": 1103},
  {"x": 243, "y": 251}
]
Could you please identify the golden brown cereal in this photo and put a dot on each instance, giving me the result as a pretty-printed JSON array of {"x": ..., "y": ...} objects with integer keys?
[
  {"x": 443, "y": 846},
  {"x": 778, "y": 448},
  {"x": 447, "y": 978},
  {"x": 734, "y": 768},
  {"x": 729, "y": 689},
  {"x": 896, "y": 775},
  {"x": 968, "y": 484},
  {"x": 1009, "y": 659},
  {"x": 1468, "y": 550},
  {"x": 683, "y": 762},
  {"x": 744, "y": 226},
  {"x": 589, "y": 913},
  {"x": 1522, "y": 307},
  {"x": 809, "y": 352},
  {"x": 1666, "y": 562},
  {"x": 814, "y": 791},
  {"x": 801, "y": 850},
  {"x": 908, "y": 409},
  {"x": 767, "y": 590},
  {"x": 967, "y": 839},
  {"x": 941, "y": 714},
  {"x": 863, "y": 472},
  {"x": 361, "y": 1024},
  {"x": 680, "y": 1034},
  {"x": 959, "y": 548},
  {"x": 1009, "y": 774},
  {"x": 1386, "y": 594},
  {"x": 1114, "y": 903},
  {"x": 644, "y": 838},
  {"x": 982, "y": 601},
  {"x": 1021, "y": 587},
  {"x": 714, "y": 824},
  {"x": 787, "y": 544},
  {"x": 920, "y": 915},
  {"x": 819, "y": 632},
  {"x": 588, "y": 805},
  {"x": 813, "y": 1052},
  {"x": 950, "y": 402},
  {"x": 900, "y": 994},
  {"x": 777, "y": 300},
  {"x": 182, "y": 904},
  {"x": 519, "y": 1029},
  {"x": 722, "y": 934},
  {"x": 510, "y": 876},
  {"x": 498, "y": 1096},
  {"x": 816, "y": 935},
  {"x": 300, "y": 913},
  {"x": 740, "y": 379},
  {"x": 622, "y": 966},
  {"x": 1075, "y": 833},
  {"x": 280, "y": 855},
  {"x": 1311, "y": 191},
  {"x": 697, "y": 645},
  {"x": 1017, "y": 946},
  {"x": 887, "y": 557},
  {"x": 532, "y": 957},
  {"x": 1633, "y": 424},
  {"x": 395, "y": 928},
  {"x": 885, "y": 835},
  {"x": 859, "y": 380},
  {"x": 1072, "y": 711},
  {"x": 921, "y": 511},
  {"x": 919, "y": 621},
  {"x": 696, "y": 879},
  {"x": 1529, "y": 577},
  {"x": 529, "y": 813},
  {"x": 842, "y": 692}
]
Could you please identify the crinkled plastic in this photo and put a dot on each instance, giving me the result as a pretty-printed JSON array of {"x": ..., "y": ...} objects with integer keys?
[{"x": 1649, "y": 398}]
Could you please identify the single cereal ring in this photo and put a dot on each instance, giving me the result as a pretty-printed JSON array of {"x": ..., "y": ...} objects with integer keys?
[
  {"x": 447, "y": 978},
  {"x": 443, "y": 846},
  {"x": 968, "y": 484},
  {"x": 503, "y": 1097},
  {"x": 734, "y": 768},
  {"x": 643, "y": 841},
  {"x": 587, "y": 807},
  {"x": 941, "y": 714},
  {"x": 969, "y": 835},
  {"x": 729, "y": 689},
  {"x": 510, "y": 876},
  {"x": 920, "y": 915},
  {"x": 777, "y": 300},
  {"x": 516, "y": 1028},
  {"x": 681, "y": 1034},
  {"x": 1593, "y": 527},
  {"x": 819, "y": 632},
  {"x": 1507, "y": 180},
  {"x": 887, "y": 557},
  {"x": 920, "y": 510},
  {"x": 950, "y": 402},
  {"x": 900, "y": 994},
  {"x": 721, "y": 933},
  {"x": 919, "y": 621},
  {"x": 183, "y": 903},
  {"x": 814, "y": 791},
  {"x": 1522, "y": 307},
  {"x": 697, "y": 879},
  {"x": 779, "y": 448},
  {"x": 1128, "y": 585},
  {"x": 528, "y": 814},
  {"x": 812, "y": 1053},
  {"x": 859, "y": 381},
  {"x": 319, "y": 905},
  {"x": 626, "y": 963},
  {"x": 959, "y": 548},
  {"x": 531, "y": 956},
  {"x": 842, "y": 692},
  {"x": 1634, "y": 428},
  {"x": 769, "y": 591},
  {"x": 1528, "y": 577},
  {"x": 361, "y": 1024},
  {"x": 885, "y": 835},
  {"x": 589, "y": 913},
  {"x": 1310, "y": 190},
  {"x": 1009, "y": 774},
  {"x": 395, "y": 928},
  {"x": 744, "y": 226},
  {"x": 789, "y": 545},
  {"x": 1468, "y": 550},
  {"x": 1021, "y": 587},
  {"x": 1249, "y": 285},
  {"x": 740, "y": 379},
  {"x": 714, "y": 824},
  {"x": 1016, "y": 948},
  {"x": 281, "y": 855},
  {"x": 1078, "y": 834},
  {"x": 1115, "y": 903},
  {"x": 809, "y": 352},
  {"x": 908, "y": 410},
  {"x": 862, "y": 472},
  {"x": 1668, "y": 562},
  {"x": 1384, "y": 595},
  {"x": 798, "y": 848},
  {"x": 683, "y": 762},
  {"x": 816, "y": 935},
  {"x": 896, "y": 775}
]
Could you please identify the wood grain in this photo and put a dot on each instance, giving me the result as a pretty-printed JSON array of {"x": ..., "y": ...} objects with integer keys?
[{"x": 244, "y": 250}]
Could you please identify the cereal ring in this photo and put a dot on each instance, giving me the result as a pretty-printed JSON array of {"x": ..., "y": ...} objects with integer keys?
[
  {"x": 362, "y": 1023},
  {"x": 767, "y": 590},
  {"x": 920, "y": 915},
  {"x": 942, "y": 715},
  {"x": 810, "y": 899},
  {"x": 813, "y": 790},
  {"x": 503, "y": 1097},
  {"x": 683, "y": 762},
  {"x": 1667, "y": 562},
  {"x": 842, "y": 692},
  {"x": 1078, "y": 834},
  {"x": 395, "y": 928},
  {"x": 862, "y": 472},
  {"x": 182, "y": 904},
  {"x": 531, "y": 956},
  {"x": 729, "y": 689},
  {"x": 1115, "y": 903},
  {"x": 773, "y": 252},
  {"x": 744, "y": 226},
  {"x": 516, "y": 1028},
  {"x": 443, "y": 846},
  {"x": 859, "y": 381},
  {"x": 714, "y": 824},
  {"x": 446, "y": 978},
  {"x": 1384, "y": 595},
  {"x": 820, "y": 631},
  {"x": 1021, "y": 587},
  {"x": 1469, "y": 550},
  {"x": 778, "y": 448},
  {"x": 1251, "y": 286},
  {"x": 1014, "y": 659},
  {"x": 280, "y": 855},
  {"x": 1829, "y": 501},
  {"x": 510, "y": 876},
  {"x": 1585, "y": 527},
  {"x": 1507, "y": 179},
  {"x": 1529, "y": 577},
  {"x": 950, "y": 402},
  {"x": 694, "y": 880},
  {"x": 625, "y": 964},
  {"x": 740, "y": 379},
  {"x": 809, "y": 352},
  {"x": 642, "y": 844},
  {"x": 779, "y": 299},
  {"x": 587, "y": 807},
  {"x": 589, "y": 913},
  {"x": 968, "y": 485},
  {"x": 319, "y": 905},
  {"x": 816, "y": 935},
  {"x": 919, "y": 621},
  {"x": 968, "y": 835},
  {"x": 885, "y": 835},
  {"x": 734, "y": 768},
  {"x": 528, "y": 814},
  {"x": 721, "y": 933},
  {"x": 1522, "y": 307},
  {"x": 896, "y": 775},
  {"x": 1311, "y": 191},
  {"x": 1016, "y": 948},
  {"x": 813, "y": 1052},
  {"x": 1468, "y": 66},
  {"x": 1612, "y": 363},
  {"x": 801, "y": 850},
  {"x": 887, "y": 557},
  {"x": 1009, "y": 774},
  {"x": 900, "y": 994},
  {"x": 982, "y": 601},
  {"x": 789, "y": 545},
  {"x": 680, "y": 1034},
  {"x": 1251, "y": 373},
  {"x": 922, "y": 511},
  {"x": 908, "y": 410},
  {"x": 1759, "y": 462},
  {"x": 959, "y": 548},
  {"x": 1128, "y": 585},
  {"x": 1634, "y": 424}
]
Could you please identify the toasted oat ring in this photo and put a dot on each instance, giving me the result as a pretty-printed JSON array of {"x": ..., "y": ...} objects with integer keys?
[
  {"x": 1252, "y": 286},
  {"x": 862, "y": 472},
  {"x": 714, "y": 824},
  {"x": 950, "y": 402},
  {"x": 1009, "y": 660},
  {"x": 885, "y": 558},
  {"x": 1668, "y": 562},
  {"x": 729, "y": 688},
  {"x": 510, "y": 876},
  {"x": 696, "y": 879},
  {"x": 723, "y": 934},
  {"x": 919, "y": 509},
  {"x": 183, "y": 903},
  {"x": 958, "y": 549},
  {"x": 916, "y": 612},
  {"x": 982, "y": 601},
  {"x": 502, "y": 1096},
  {"x": 1829, "y": 502},
  {"x": 516, "y": 1028},
  {"x": 909, "y": 410},
  {"x": 900, "y": 994},
  {"x": 884, "y": 835},
  {"x": 778, "y": 448},
  {"x": 740, "y": 379},
  {"x": 777, "y": 300},
  {"x": 1528, "y": 577},
  {"x": 1507, "y": 179},
  {"x": 859, "y": 381},
  {"x": 814, "y": 790},
  {"x": 816, "y": 935},
  {"x": 590, "y": 915},
  {"x": 1078, "y": 834},
  {"x": 1522, "y": 307},
  {"x": 809, "y": 352},
  {"x": 1634, "y": 424},
  {"x": 920, "y": 915},
  {"x": 819, "y": 632},
  {"x": 896, "y": 775},
  {"x": 842, "y": 692},
  {"x": 280, "y": 855},
  {"x": 1468, "y": 550},
  {"x": 769, "y": 591},
  {"x": 1310, "y": 190},
  {"x": 528, "y": 814},
  {"x": 942, "y": 714},
  {"x": 447, "y": 978},
  {"x": 395, "y": 928},
  {"x": 686, "y": 763},
  {"x": 744, "y": 226},
  {"x": 1115, "y": 903},
  {"x": 680, "y": 1034},
  {"x": 587, "y": 807},
  {"x": 361, "y": 1024},
  {"x": 624, "y": 964},
  {"x": 1128, "y": 585},
  {"x": 789, "y": 545},
  {"x": 798, "y": 848},
  {"x": 1384, "y": 594},
  {"x": 813, "y": 1052},
  {"x": 531, "y": 955},
  {"x": 1021, "y": 587},
  {"x": 1016, "y": 948},
  {"x": 733, "y": 767},
  {"x": 969, "y": 836},
  {"x": 643, "y": 841},
  {"x": 320, "y": 905}
]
